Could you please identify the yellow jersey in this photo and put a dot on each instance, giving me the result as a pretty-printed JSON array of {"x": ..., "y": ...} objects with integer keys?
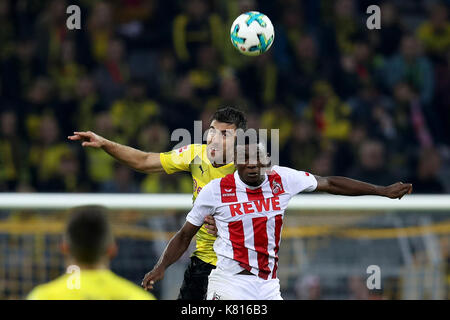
[
  {"x": 92, "y": 285},
  {"x": 193, "y": 158}
]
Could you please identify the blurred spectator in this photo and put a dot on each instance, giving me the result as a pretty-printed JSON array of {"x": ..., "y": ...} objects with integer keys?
[
  {"x": 204, "y": 77},
  {"x": 357, "y": 288},
  {"x": 66, "y": 72},
  {"x": 167, "y": 70},
  {"x": 11, "y": 151},
  {"x": 129, "y": 115},
  {"x": 112, "y": 74},
  {"x": 122, "y": 181},
  {"x": 412, "y": 67},
  {"x": 435, "y": 32},
  {"x": 37, "y": 102},
  {"x": 87, "y": 104},
  {"x": 372, "y": 165},
  {"x": 100, "y": 28},
  {"x": 99, "y": 165},
  {"x": 290, "y": 33},
  {"x": 7, "y": 30},
  {"x": 331, "y": 116},
  {"x": 302, "y": 147},
  {"x": 369, "y": 105},
  {"x": 185, "y": 105},
  {"x": 18, "y": 71},
  {"x": 230, "y": 94},
  {"x": 409, "y": 123},
  {"x": 51, "y": 32},
  {"x": 308, "y": 288},
  {"x": 260, "y": 80},
  {"x": 442, "y": 98},
  {"x": 45, "y": 155},
  {"x": 198, "y": 25},
  {"x": 426, "y": 177},
  {"x": 323, "y": 164},
  {"x": 307, "y": 67},
  {"x": 387, "y": 39},
  {"x": 355, "y": 69},
  {"x": 278, "y": 117},
  {"x": 68, "y": 176},
  {"x": 345, "y": 24}
]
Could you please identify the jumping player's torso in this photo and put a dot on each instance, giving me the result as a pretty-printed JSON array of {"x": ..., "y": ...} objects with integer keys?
[
  {"x": 249, "y": 219},
  {"x": 193, "y": 158}
]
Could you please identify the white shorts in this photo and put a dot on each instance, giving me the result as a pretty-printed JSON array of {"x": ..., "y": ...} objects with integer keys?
[{"x": 225, "y": 286}]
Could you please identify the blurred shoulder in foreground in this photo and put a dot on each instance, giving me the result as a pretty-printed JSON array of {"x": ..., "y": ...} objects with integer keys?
[{"x": 89, "y": 246}]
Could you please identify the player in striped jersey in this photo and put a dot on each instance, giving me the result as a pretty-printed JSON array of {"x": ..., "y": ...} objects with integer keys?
[{"x": 248, "y": 207}]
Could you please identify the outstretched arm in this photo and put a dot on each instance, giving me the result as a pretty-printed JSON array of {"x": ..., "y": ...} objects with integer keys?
[
  {"x": 350, "y": 187},
  {"x": 174, "y": 250},
  {"x": 146, "y": 162}
]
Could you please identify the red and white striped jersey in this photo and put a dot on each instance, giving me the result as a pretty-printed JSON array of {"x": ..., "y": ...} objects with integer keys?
[{"x": 249, "y": 219}]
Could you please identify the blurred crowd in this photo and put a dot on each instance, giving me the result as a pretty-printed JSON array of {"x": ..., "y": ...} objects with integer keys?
[{"x": 370, "y": 104}]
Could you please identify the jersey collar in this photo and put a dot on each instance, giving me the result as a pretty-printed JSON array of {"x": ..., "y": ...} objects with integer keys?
[{"x": 238, "y": 179}]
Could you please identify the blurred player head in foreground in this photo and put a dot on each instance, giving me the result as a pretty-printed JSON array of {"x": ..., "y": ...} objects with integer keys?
[
  {"x": 222, "y": 133},
  {"x": 89, "y": 244},
  {"x": 88, "y": 239}
]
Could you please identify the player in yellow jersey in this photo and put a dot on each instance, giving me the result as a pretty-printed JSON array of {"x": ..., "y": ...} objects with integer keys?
[
  {"x": 205, "y": 162},
  {"x": 89, "y": 244}
]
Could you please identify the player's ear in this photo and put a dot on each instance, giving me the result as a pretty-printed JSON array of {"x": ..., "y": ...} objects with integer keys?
[
  {"x": 112, "y": 250},
  {"x": 64, "y": 247},
  {"x": 267, "y": 161}
]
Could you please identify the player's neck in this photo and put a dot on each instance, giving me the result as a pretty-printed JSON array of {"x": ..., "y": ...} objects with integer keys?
[
  {"x": 253, "y": 183},
  {"x": 216, "y": 165},
  {"x": 222, "y": 163},
  {"x": 96, "y": 266}
]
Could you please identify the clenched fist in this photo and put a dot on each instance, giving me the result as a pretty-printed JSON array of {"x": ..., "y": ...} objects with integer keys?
[{"x": 89, "y": 139}]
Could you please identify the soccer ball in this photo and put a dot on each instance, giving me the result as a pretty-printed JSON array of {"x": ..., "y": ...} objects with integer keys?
[{"x": 252, "y": 33}]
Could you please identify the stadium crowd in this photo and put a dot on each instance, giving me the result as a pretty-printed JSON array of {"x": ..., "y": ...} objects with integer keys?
[{"x": 369, "y": 104}]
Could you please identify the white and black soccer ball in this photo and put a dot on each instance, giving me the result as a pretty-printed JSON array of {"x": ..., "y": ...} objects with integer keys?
[{"x": 252, "y": 33}]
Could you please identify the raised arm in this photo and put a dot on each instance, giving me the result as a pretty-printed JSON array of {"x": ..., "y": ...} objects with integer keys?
[
  {"x": 146, "y": 162},
  {"x": 350, "y": 187},
  {"x": 174, "y": 250}
]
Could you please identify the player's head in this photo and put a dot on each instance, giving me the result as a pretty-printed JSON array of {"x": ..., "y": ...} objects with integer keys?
[
  {"x": 251, "y": 160},
  {"x": 222, "y": 132},
  {"x": 88, "y": 237}
]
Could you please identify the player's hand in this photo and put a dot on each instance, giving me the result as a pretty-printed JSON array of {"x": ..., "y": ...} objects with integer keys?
[
  {"x": 88, "y": 138},
  {"x": 151, "y": 277},
  {"x": 397, "y": 190},
  {"x": 210, "y": 225}
]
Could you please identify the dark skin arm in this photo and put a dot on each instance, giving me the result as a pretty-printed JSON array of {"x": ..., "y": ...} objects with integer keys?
[
  {"x": 174, "y": 250},
  {"x": 350, "y": 187}
]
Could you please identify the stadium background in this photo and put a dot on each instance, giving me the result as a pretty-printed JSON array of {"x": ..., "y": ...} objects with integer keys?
[{"x": 369, "y": 104}]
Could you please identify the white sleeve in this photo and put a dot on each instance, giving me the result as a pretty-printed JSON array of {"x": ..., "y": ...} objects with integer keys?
[
  {"x": 299, "y": 181},
  {"x": 204, "y": 205}
]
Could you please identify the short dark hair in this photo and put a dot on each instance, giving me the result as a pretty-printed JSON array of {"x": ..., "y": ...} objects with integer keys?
[
  {"x": 232, "y": 116},
  {"x": 246, "y": 141},
  {"x": 88, "y": 233}
]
